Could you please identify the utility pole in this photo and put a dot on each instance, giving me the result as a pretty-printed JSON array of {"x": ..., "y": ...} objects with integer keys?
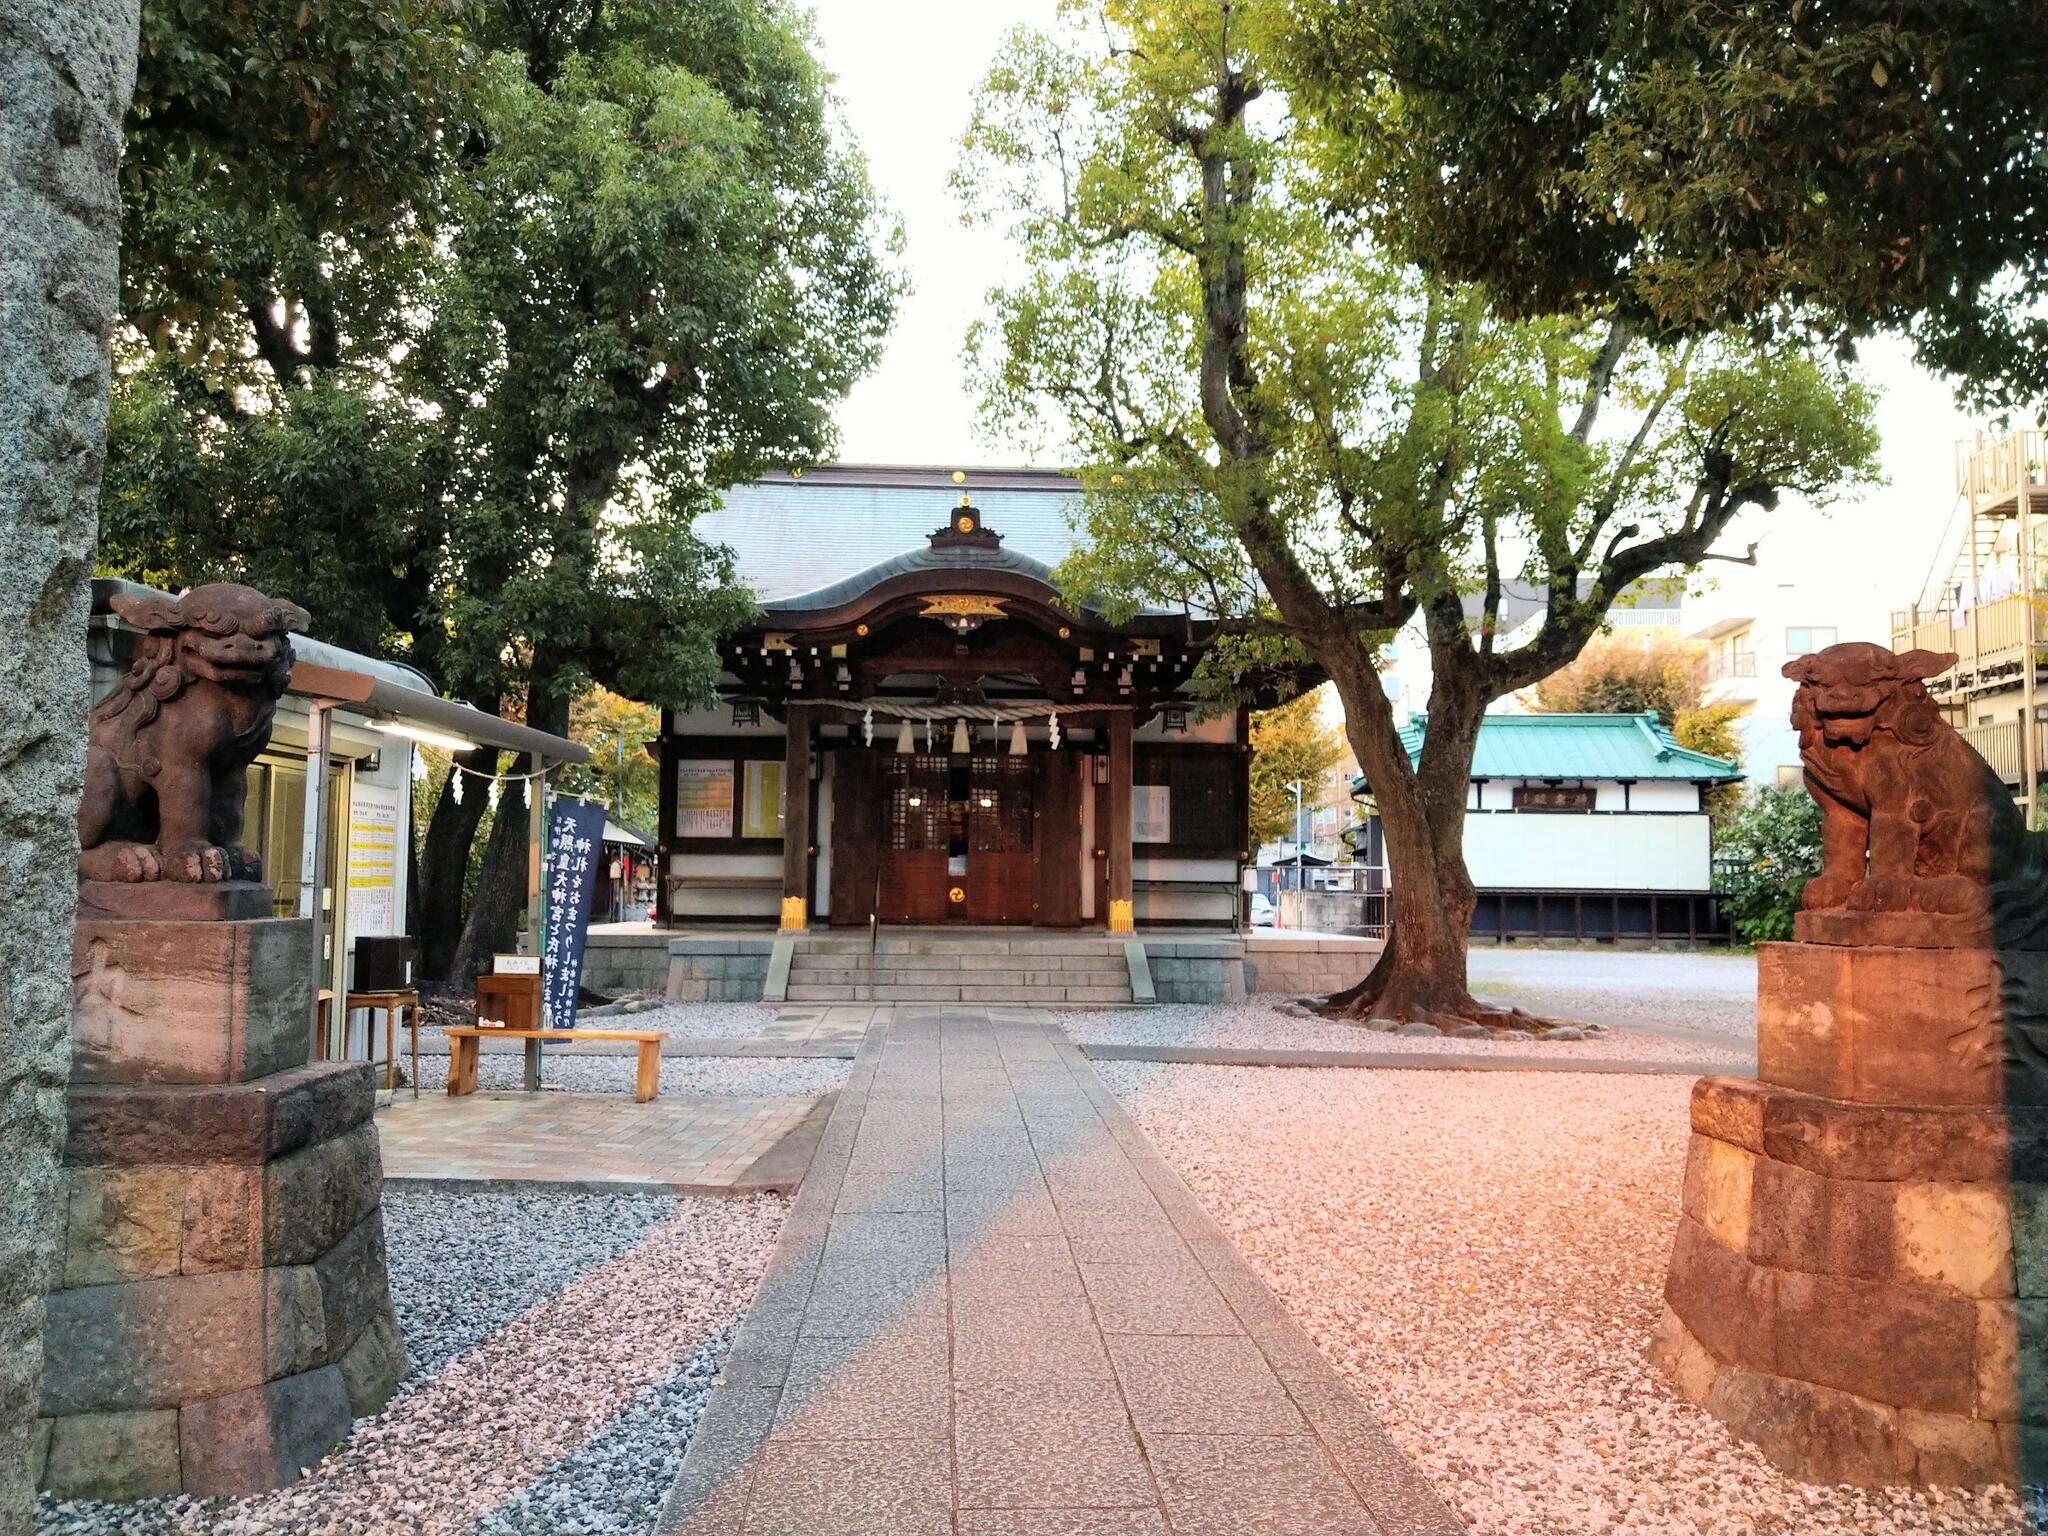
[{"x": 1296, "y": 787}]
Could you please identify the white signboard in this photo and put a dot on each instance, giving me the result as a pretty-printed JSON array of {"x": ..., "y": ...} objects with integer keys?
[
  {"x": 373, "y": 862},
  {"x": 704, "y": 798},
  {"x": 1151, "y": 813}
]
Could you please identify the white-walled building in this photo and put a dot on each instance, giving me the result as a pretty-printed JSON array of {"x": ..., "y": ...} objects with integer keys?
[
  {"x": 1752, "y": 621},
  {"x": 1587, "y": 826}
]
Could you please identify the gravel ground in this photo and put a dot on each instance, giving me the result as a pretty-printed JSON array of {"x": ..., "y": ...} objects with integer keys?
[
  {"x": 1483, "y": 1257},
  {"x": 563, "y": 1347},
  {"x": 696, "y": 1021},
  {"x": 1259, "y": 1023},
  {"x": 1706, "y": 995},
  {"x": 744, "y": 1076}
]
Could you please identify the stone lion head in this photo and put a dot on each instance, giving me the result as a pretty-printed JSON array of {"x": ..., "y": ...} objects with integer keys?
[{"x": 1847, "y": 692}]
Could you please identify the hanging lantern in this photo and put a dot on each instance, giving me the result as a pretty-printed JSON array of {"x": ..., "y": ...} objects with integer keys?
[
  {"x": 1017, "y": 743},
  {"x": 960, "y": 744},
  {"x": 905, "y": 742}
]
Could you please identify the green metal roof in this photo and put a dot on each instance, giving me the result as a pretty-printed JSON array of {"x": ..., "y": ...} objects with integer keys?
[{"x": 1578, "y": 747}]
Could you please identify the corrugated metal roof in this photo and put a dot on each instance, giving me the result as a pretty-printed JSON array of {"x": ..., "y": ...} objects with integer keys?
[
  {"x": 1578, "y": 747},
  {"x": 792, "y": 537}
]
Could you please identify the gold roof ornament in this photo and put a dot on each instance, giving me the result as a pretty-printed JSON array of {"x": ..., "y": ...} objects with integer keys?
[{"x": 963, "y": 605}]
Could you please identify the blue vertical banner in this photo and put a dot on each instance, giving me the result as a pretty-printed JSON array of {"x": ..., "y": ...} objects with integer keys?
[{"x": 575, "y": 847}]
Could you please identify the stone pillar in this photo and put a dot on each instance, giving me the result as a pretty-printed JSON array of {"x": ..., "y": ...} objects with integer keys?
[
  {"x": 220, "y": 1312},
  {"x": 66, "y": 72},
  {"x": 1859, "y": 1284},
  {"x": 796, "y": 820},
  {"x": 1119, "y": 834}
]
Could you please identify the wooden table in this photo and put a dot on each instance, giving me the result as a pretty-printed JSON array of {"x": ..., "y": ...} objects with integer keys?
[
  {"x": 388, "y": 1003},
  {"x": 463, "y": 1043}
]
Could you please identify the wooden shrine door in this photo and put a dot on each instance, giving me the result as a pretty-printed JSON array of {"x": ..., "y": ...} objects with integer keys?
[
  {"x": 916, "y": 813},
  {"x": 856, "y": 835},
  {"x": 1056, "y": 842},
  {"x": 1000, "y": 887}
]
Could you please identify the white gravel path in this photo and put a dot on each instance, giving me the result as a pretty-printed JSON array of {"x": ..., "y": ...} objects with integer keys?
[
  {"x": 563, "y": 1348},
  {"x": 695, "y": 1021},
  {"x": 744, "y": 1076},
  {"x": 1260, "y": 1023},
  {"x": 1482, "y": 1255}
]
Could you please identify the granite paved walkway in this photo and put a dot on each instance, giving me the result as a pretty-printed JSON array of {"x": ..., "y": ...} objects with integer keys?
[
  {"x": 994, "y": 1311},
  {"x": 692, "y": 1143}
]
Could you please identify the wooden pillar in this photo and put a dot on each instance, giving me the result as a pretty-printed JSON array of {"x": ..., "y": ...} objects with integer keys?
[
  {"x": 1119, "y": 836},
  {"x": 796, "y": 820}
]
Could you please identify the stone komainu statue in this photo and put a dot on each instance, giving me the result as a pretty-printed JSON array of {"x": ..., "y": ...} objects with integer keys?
[
  {"x": 1912, "y": 819},
  {"x": 166, "y": 760}
]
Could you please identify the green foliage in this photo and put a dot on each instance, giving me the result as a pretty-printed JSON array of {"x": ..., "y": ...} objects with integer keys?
[
  {"x": 460, "y": 377},
  {"x": 620, "y": 773},
  {"x": 1832, "y": 169},
  {"x": 1766, "y": 853},
  {"x": 1281, "y": 424},
  {"x": 1624, "y": 674},
  {"x": 1290, "y": 744}
]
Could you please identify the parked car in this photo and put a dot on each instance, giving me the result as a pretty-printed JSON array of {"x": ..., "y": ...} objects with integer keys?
[{"x": 1264, "y": 914}]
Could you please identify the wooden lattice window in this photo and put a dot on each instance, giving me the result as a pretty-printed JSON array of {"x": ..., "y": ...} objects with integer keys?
[
  {"x": 999, "y": 804},
  {"x": 915, "y": 793},
  {"x": 1204, "y": 808}
]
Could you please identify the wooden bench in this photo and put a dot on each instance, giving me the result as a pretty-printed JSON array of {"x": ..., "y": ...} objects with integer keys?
[{"x": 463, "y": 1041}]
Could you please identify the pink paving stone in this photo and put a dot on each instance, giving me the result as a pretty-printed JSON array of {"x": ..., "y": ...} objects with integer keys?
[{"x": 993, "y": 1343}]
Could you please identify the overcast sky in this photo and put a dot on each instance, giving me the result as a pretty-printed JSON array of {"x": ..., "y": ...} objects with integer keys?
[{"x": 905, "y": 70}]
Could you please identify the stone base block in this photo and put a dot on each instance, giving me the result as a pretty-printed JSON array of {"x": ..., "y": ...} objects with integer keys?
[
  {"x": 191, "y": 1002},
  {"x": 1878, "y": 1025},
  {"x": 218, "y": 1320},
  {"x": 174, "y": 901},
  {"x": 1862, "y": 1291},
  {"x": 266, "y": 1436},
  {"x": 118, "y": 1455}
]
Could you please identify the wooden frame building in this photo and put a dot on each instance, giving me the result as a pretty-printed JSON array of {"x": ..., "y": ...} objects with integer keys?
[{"x": 937, "y": 738}]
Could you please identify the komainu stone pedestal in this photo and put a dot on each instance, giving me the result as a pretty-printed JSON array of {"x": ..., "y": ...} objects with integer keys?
[
  {"x": 219, "y": 1312},
  {"x": 1859, "y": 1284}
]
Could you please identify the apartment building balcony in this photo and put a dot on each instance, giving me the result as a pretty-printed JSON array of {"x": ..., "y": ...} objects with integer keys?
[
  {"x": 1989, "y": 641},
  {"x": 2004, "y": 745}
]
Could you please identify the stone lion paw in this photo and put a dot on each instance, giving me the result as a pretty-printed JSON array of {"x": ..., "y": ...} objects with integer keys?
[
  {"x": 126, "y": 863},
  {"x": 1824, "y": 893},
  {"x": 196, "y": 863},
  {"x": 243, "y": 862},
  {"x": 1884, "y": 893}
]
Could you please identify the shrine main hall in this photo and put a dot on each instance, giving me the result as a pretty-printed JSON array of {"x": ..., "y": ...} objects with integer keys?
[{"x": 918, "y": 728}]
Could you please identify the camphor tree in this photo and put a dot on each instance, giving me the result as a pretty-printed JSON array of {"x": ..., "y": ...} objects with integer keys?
[
  {"x": 447, "y": 319},
  {"x": 1829, "y": 167},
  {"x": 1282, "y": 425}
]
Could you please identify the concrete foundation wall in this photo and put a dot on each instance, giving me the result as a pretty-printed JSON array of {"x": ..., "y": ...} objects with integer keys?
[
  {"x": 1305, "y": 966},
  {"x": 626, "y": 962},
  {"x": 717, "y": 970}
]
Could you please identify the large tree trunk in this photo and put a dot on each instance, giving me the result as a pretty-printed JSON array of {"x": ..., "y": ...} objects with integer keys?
[
  {"x": 501, "y": 885},
  {"x": 1421, "y": 975},
  {"x": 493, "y": 918},
  {"x": 444, "y": 864},
  {"x": 67, "y": 68}
]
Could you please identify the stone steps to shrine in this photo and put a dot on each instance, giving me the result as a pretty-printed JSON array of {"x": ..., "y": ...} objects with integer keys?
[{"x": 1023, "y": 970}]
